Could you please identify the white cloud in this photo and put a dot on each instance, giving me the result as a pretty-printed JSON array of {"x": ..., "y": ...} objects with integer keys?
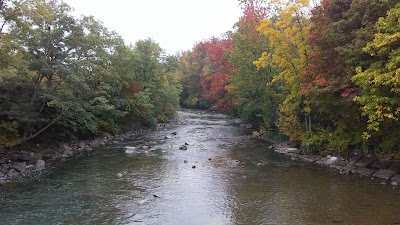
[{"x": 174, "y": 24}]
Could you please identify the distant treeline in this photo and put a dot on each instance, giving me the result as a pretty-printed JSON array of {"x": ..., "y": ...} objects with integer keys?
[{"x": 327, "y": 77}]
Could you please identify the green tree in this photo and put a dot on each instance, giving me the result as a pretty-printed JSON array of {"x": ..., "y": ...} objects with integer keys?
[
  {"x": 340, "y": 31},
  {"x": 150, "y": 85},
  {"x": 380, "y": 84},
  {"x": 255, "y": 96},
  {"x": 37, "y": 31},
  {"x": 194, "y": 61},
  {"x": 62, "y": 77}
]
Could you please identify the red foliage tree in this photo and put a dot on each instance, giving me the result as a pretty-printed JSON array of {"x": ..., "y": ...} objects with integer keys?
[
  {"x": 326, "y": 70},
  {"x": 216, "y": 74}
]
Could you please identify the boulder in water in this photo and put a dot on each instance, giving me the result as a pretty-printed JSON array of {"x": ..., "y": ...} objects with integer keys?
[
  {"x": 81, "y": 146},
  {"x": 143, "y": 202},
  {"x": 21, "y": 167},
  {"x": 121, "y": 174},
  {"x": 12, "y": 173},
  {"x": 130, "y": 150},
  {"x": 40, "y": 164},
  {"x": 330, "y": 160}
]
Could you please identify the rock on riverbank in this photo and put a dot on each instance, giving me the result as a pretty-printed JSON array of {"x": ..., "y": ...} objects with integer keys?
[
  {"x": 16, "y": 164},
  {"x": 357, "y": 163}
]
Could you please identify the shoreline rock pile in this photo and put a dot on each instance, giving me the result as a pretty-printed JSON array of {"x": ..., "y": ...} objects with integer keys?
[
  {"x": 16, "y": 164},
  {"x": 357, "y": 163}
]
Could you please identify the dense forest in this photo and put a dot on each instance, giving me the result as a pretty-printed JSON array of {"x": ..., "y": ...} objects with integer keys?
[
  {"x": 325, "y": 77},
  {"x": 64, "y": 78}
]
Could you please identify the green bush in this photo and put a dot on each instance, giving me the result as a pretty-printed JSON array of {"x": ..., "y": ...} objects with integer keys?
[
  {"x": 313, "y": 143},
  {"x": 9, "y": 136}
]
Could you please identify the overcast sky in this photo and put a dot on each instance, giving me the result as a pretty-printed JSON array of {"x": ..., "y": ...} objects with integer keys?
[{"x": 175, "y": 24}]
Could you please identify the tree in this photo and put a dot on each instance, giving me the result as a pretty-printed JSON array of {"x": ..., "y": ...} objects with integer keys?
[
  {"x": 341, "y": 28},
  {"x": 192, "y": 90},
  {"x": 92, "y": 80},
  {"x": 287, "y": 32},
  {"x": 256, "y": 99},
  {"x": 63, "y": 78},
  {"x": 324, "y": 80},
  {"x": 380, "y": 83},
  {"x": 207, "y": 74},
  {"x": 150, "y": 87},
  {"x": 216, "y": 74},
  {"x": 38, "y": 32}
]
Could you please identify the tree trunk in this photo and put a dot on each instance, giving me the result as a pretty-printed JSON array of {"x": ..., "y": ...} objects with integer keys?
[{"x": 27, "y": 138}]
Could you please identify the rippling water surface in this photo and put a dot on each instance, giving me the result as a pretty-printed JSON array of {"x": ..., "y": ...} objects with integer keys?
[{"x": 234, "y": 182}]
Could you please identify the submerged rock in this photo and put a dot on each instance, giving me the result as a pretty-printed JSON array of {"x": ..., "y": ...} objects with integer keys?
[
  {"x": 21, "y": 167},
  {"x": 384, "y": 174},
  {"x": 331, "y": 160},
  {"x": 12, "y": 173},
  {"x": 364, "y": 171},
  {"x": 121, "y": 174},
  {"x": 4, "y": 168},
  {"x": 365, "y": 162},
  {"x": 81, "y": 146},
  {"x": 183, "y": 147},
  {"x": 286, "y": 150},
  {"x": 395, "y": 181},
  {"x": 130, "y": 150},
  {"x": 67, "y": 147},
  {"x": 143, "y": 202}
]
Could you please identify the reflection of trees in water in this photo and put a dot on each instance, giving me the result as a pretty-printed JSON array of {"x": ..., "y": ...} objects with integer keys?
[{"x": 297, "y": 194}]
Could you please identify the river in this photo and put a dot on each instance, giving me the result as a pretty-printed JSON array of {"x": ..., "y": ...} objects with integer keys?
[{"x": 222, "y": 178}]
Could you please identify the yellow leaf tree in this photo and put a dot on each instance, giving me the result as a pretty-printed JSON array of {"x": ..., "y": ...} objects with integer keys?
[
  {"x": 287, "y": 34},
  {"x": 380, "y": 82}
]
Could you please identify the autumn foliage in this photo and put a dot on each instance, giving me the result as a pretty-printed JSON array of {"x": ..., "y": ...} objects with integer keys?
[
  {"x": 216, "y": 74},
  {"x": 64, "y": 78},
  {"x": 324, "y": 76}
]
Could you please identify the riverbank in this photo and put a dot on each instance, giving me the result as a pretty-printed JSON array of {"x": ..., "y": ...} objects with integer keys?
[
  {"x": 355, "y": 163},
  {"x": 16, "y": 164}
]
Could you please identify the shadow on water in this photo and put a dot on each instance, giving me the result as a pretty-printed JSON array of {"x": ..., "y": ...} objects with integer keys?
[{"x": 220, "y": 179}]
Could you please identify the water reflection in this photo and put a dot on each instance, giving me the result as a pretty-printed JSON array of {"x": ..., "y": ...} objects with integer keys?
[
  {"x": 298, "y": 194},
  {"x": 234, "y": 182}
]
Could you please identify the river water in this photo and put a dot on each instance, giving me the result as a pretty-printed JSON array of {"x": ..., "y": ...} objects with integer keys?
[{"x": 222, "y": 178}]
